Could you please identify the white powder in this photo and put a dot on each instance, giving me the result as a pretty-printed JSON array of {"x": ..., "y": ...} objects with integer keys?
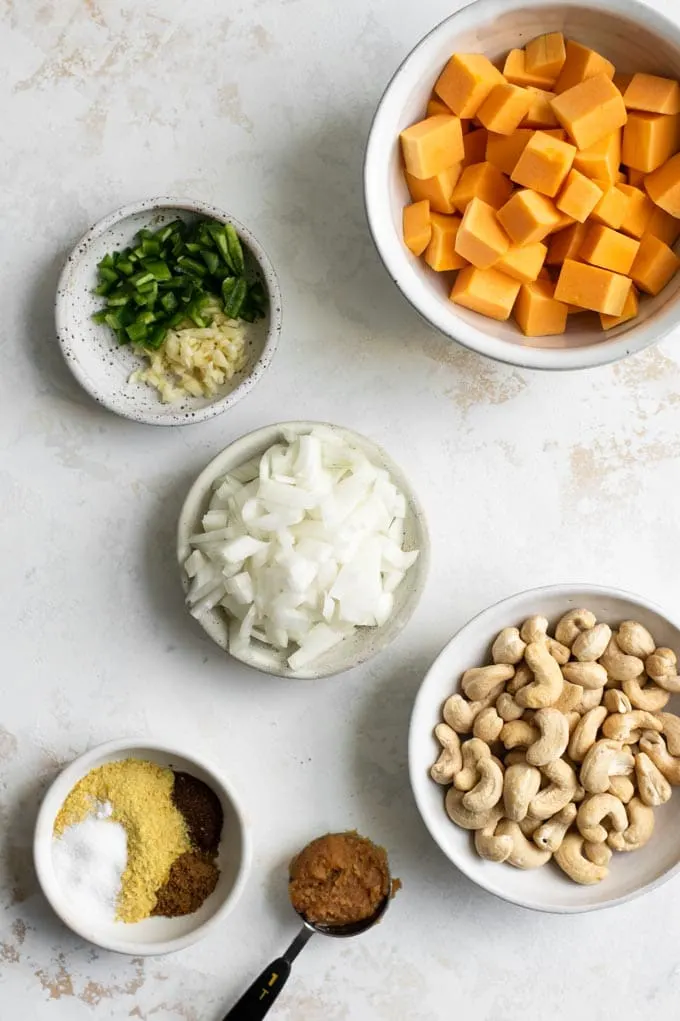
[{"x": 89, "y": 859}]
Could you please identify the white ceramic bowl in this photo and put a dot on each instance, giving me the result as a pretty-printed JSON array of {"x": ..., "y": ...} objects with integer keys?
[
  {"x": 635, "y": 38},
  {"x": 153, "y": 935},
  {"x": 547, "y": 888},
  {"x": 103, "y": 367},
  {"x": 366, "y": 642}
]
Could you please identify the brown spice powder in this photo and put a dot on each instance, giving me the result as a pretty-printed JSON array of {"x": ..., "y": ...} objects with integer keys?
[{"x": 192, "y": 879}]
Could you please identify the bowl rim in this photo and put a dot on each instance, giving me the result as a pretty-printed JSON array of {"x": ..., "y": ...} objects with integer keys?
[
  {"x": 264, "y": 437},
  {"x": 55, "y": 795},
  {"x": 449, "y": 323},
  {"x": 422, "y": 702},
  {"x": 222, "y": 403}
]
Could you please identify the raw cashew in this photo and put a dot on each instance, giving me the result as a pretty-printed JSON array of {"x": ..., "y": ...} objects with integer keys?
[
  {"x": 550, "y": 834},
  {"x": 598, "y": 854},
  {"x": 671, "y": 731},
  {"x": 488, "y": 725},
  {"x": 524, "y": 854},
  {"x": 670, "y": 683},
  {"x": 618, "y": 665},
  {"x": 588, "y": 675},
  {"x": 472, "y": 751},
  {"x": 635, "y": 640},
  {"x": 461, "y": 714},
  {"x": 572, "y": 861},
  {"x": 653, "y": 786},
  {"x": 548, "y": 682},
  {"x": 450, "y": 759},
  {"x": 559, "y": 652},
  {"x": 508, "y": 647},
  {"x": 519, "y": 734},
  {"x": 593, "y": 810},
  {"x": 558, "y": 794},
  {"x": 653, "y": 744},
  {"x": 590, "y": 644},
  {"x": 571, "y": 625},
  {"x": 554, "y": 737},
  {"x": 622, "y": 787},
  {"x": 534, "y": 629},
  {"x": 520, "y": 785},
  {"x": 462, "y": 816},
  {"x": 529, "y": 825},
  {"x": 640, "y": 828},
  {"x": 517, "y": 757},
  {"x": 590, "y": 699},
  {"x": 626, "y": 727},
  {"x": 649, "y": 696},
  {"x": 522, "y": 676},
  {"x": 585, "y": 735},
  {"x": 488, "y": 790},
  {"x": 507, "y": 708},
  {"x": 573, "y": 719},
  {"x": 488, "y": 845},
  {"x": 661, "y": 664},
  {"x": 571, "y": 697},
  {"x": 604, "y": 759},
  {"x": 617, "y": 702},
  {"x": 480, "y": 681}
]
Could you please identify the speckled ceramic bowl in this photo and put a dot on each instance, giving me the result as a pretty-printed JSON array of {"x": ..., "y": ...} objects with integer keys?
[
  {"x": 103, "y": 367},
  {"x": 366, "y": 642}
]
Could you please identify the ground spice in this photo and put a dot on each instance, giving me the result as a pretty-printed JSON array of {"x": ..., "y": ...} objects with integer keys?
[
  {"x": 192, "y": 879},
  {"x": 202, "y": 812},
  {"x": 140, "y": 794}
]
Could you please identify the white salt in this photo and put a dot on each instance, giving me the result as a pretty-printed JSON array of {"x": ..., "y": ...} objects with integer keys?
[{"x": 89, "y": 859}]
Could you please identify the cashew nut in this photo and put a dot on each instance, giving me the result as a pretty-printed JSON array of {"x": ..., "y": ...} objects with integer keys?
[
  {"x": 529, "y": 825},
  {"x": 570, "y": 698},
  {"x": 480, "y": 681},
  {"x": 593, "y": 810},
  {"x": 671, "y": 731},
  {"x": 626, "y": 727},
  {"x": 588, "y": 675},
  {"x": 450, "y": 759},
  {"x": 522, "y": 676},
  {"x": 462, "y": 816},
  {"x": 604, "y": 759},
  {"x": 616, "y": 702},
  {"x": 653, "y": 786},
  {"x": 517, "y": 757},
  {"x": 670, "y": 683},
  {"x": 570, "y": 626},
  {"x": 520, "y": 785},
  {"x": 590, "y": 699},
  {"x": 461, "y": 714},
  {"x": 598, "y": 854},
  {"x": 649, "y": 696},
  {"x": 488, "y": 725},
  {"x": 585, "y": 735},
  {"x": 534, "y": 629},
  {"x": 558, "y": 794},
  {"x": 507, "y": 708},
  {"x": 508, "y": 647},
  {"x": 591, "y": 644},
  {"x": 472, "y": 751},
  {"x": 661, "y": 664},
  {"x": 640, "y": 828},
  {"x": 488, "y": 845},
  {"x": 622, "y": 787},
  {"x": 488, "y": 790},
  {"x": 524, "y": 854},
  {"x": 635, "y": 640},
  {"x": 548, "y": 682},
  {"x": 550, "y": 834},
  {"x": 518, "y": 734},
  {"x": 554, "y": 737},
  {"x": 654, "y": 745},
  {"x": 618, "y": 665},
  {"x": 559, "y": 652},
  {"x": 573, "y": 862}
]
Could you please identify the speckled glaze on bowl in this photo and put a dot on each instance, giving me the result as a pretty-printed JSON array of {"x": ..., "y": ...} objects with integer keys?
[
  {"x": 103, "y": 367},
  {"x": 367, "y": 641}
]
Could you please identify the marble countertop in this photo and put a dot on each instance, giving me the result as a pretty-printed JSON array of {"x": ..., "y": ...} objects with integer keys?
[{"x": 263, "y": 108}]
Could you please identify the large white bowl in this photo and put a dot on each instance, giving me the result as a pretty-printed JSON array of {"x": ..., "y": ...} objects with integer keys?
[
  {"x": 103, "y": 367},
  {"x": 630, "y": 34},
  {"x": 153, "y": 935},
  {"x": 367, "y": 641},
  {"x": 544, "y": 889}
]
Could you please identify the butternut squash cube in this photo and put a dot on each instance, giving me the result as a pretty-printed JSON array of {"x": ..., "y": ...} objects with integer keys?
[
  {"x": 546, "y": 55},
  {"x": 486, "y": 291},
  {"x": 601, "y": 160},
  {"x": 438, "y": 190},
  {"x": 563, "y": 221},
  {"x": 436, "y": 108},
  {"x": 622, "y": 81},
  {"x": 524, "y": 262},
  {"x": 609, "y": 249},
  {"x": 593, "y": 288},
  {"x": 663, "y": 186},
  {"x": 590, "y": 110},
  {"x": 612, "y": 208},
  {"x": 635, "y": 177},
  {"x": 515, "y": 71},
  {"x": 417, "y": 226},
  {"x": 649, "y": 139},
  {"x": 566, "y": 244},
  {"x": 653, "y": 94},
  {"x": 540, "y": 113},
  {"x": 537, "y": 312},
  {"x": 466, "y": 81},
  {"x": 638, "y": 211},
  {"x": 486, "y": 182},
  {"x": 579, "y": 65},
  {"x": 441, "y": 254},
  {"x": 432, "y": 145},
  {"x": 528, "y": 217},
  {"x": 663, "y": 226},
  {"x": 481, "y": 240},
  {"x": 579, "y": 196},
  {"x": 556, "y": 133},
  {"x": 654, "y": 265},
  {"x": 544, "y": 164},
  {"x": 504, "y": 108},
  {"x": 504, "y": 150},
  {"x": 630, "y": 310},
  {"x": 474, "y": 146}
]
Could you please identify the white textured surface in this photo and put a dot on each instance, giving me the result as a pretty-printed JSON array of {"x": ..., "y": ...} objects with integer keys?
[{"x": 263, "y": 108}]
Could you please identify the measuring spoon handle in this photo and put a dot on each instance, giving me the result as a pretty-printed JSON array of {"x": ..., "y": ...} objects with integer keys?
[{"x": 257, "y": 1000}]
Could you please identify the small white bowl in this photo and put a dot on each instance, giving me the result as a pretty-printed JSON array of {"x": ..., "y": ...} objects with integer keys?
[
  {"x": 103, "y": 367},
  {"x": 547, "y": 888},
  {"x": 635, "y": 38},
  {"x": 366, "y": 642},
  {"x": 153, "y": 935}
]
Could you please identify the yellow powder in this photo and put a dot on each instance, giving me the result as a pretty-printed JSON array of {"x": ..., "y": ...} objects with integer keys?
[{"x": 139, "y": 793}]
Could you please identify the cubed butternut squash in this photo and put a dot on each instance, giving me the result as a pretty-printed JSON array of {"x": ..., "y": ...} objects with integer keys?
[
  {"x": 417, "y": 226},
  {"x": 466, "y": 81},
  {"x": 590, "y": 110},
  {"x": 436, "y": 107},
  {"x": 504, "y": 108},
  {"x": 528, "y": 217},
  {"x": 580, "y": 64},
  {"x": 487, "y": 291},
  {"x": 441, "y": 254},
  {"x": 653, "y": 94},
  {"x": 654, "y": 264},
  {"x": 485, "y": 181},
  {"x": 540, "y": 113},
  {"x": 438, "y": 190},
  {"x": 432, "y": 145},
  {"x": 579, "y": 196},
  {"x": 635, "y": 177},
  {"x": 601, "y": 160},
  {"x": 663, "y": 186},
  {"x": 638, "y": 211},
  {"x": 663, "y": 226},
  {"x": 523, "y": 262},
  {"x": 566, "y": 244},
  {"x": 504, "y": 150},
  {"x": 537, "y": 312},
  {"x": 630, "y": 310},
  {"x": 593, "y": 288},
  {"x": 544, "y": 164},
  {"x": 612, "y": 207},
  {"x": 515, "y": 71},
  {"x": 649, "y": 139},
  {"x": 474, "y": 146},
  {"x": 622, "y": 81},
  {"x": 546, "y": 55},
  {"x": 609, "y": 249},
  {"x": 481, "y": 240}
]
